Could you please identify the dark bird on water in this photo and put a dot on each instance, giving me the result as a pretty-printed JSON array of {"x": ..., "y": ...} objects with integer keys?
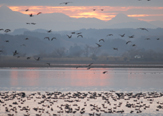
[
  {"x": 98, "y": 45},
  {"x": 105, "y": 72}
]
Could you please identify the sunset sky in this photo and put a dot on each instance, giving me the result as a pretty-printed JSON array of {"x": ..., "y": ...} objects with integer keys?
[{"x": 141, "y": 9}]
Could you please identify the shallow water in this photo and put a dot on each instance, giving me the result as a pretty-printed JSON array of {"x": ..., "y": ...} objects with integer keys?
[{"x": 81, "y": 79}]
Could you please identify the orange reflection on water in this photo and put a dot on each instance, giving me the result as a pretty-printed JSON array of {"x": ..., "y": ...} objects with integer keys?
[
  {"x": 14, "y": 78},
  {"x": 89, "y": 78},
  {"x": 32, "y": 77}
]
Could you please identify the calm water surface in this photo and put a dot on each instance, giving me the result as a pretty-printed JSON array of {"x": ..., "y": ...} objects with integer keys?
[{"x": 81, "y": 79}]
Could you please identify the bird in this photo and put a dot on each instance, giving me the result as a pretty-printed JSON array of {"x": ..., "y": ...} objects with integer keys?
[
  {"x": 28, "y": 23},
  {"x": 122, "y": 35},
  {"x": 158, "y": 38},
  {"x": 134, "y": 45},
  {"x": 27, "y": 10},
  {"x": 128, "y": 42},
  {"x": 132, "y": 36},
  {"x": 39, "y": 13},
  {"x": 102, "y": 9},
  {"x": 147, "y": 38},
  {"x": 65, "y": 3},
  {"x": 53, "y": 38},
  {"x": 80, "y": 36},
  {"x": 98, "y": 45},
  {"x": 101, "y": 40},
  {"x": 28, "y": 58},
  {"x": 48, "y": 64},
  {"x": 7, "y": 30},
  {"x": 7, "y": 41},
  {"x": 47, "y": 38},
  {"x": 1, "y": 29},
  {"x": 1, "y": 51},
  {"x": 90, "y": 64},
  {"x": 94, "y": 9},
  {"x": 15, "y": 53},
  {"x": 26, "y": 38},
  {"x": 143, "y": 29},
  {"x": 115, "y": 49},
  {"x": 110, "y": 35},
  {"x": 69, "y": 36},
  {"x": 105, "y": 72},
  {"x": 33, "y": 23},
  {"x": 72, "y": 32},
  {"x": 49, "y": 31},
  {"x": 31, "y": 15},
  {"x": 78, "y": 33},
  {"x": 37, "y": 59}
]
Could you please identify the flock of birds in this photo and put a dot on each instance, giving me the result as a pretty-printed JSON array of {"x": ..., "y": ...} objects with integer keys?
[
  {"x": 79, "y": 35},
  {"x": 79, "y": 103}
]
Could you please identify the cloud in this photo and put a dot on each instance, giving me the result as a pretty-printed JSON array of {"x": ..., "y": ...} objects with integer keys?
[{"x": 156, "y": 3}]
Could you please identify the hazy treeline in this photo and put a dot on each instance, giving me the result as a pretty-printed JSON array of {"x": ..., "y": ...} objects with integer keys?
[{"x": 142, "y": 45}]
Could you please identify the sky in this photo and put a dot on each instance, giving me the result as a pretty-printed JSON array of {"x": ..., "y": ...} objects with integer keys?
[{"x": 104, "y": 9}]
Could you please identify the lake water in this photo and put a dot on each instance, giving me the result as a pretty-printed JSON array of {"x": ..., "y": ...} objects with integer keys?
[{"x": 81, "y": 79}]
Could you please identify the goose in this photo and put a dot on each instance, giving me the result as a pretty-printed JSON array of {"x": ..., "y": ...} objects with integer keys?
[{"x": 98, "y": 45}]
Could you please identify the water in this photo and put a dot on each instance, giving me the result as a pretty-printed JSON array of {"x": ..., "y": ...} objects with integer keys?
[{"x": 81, "y": 79}]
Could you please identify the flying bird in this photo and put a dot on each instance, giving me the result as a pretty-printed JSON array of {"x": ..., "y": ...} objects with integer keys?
[
  {"x": 101, "y": 40},
  {"x": 122, "y": 35},
  {"x": 47, "y": 38},
  {"x": 48, "y": 64},
  {"x": 110, "y": 35},
  {"x": 72, "y": 32},
  {"x": 147, "y": 38},
  {"x": 39, "y": 13},
  {"x": 15, "y": 53},
  {"x": 65, "y": 3},
  {"x": 90, "y": 64},
  {"x": 128, "y": 42},
  {"x": 132, "y": 36},
  {"x": 143, "y": 29},
  {"x": 158, "y": 38},
  {"x": 115, "y": 49},
  {"x": 37, "y": 59},
  {"x": 7, "y": 30},
  {"x": 33, "y": 23},
  {"x": 27, "y": 10},
  {"x": 134, "y": 45},
  {"x": 28, "y": 58},
  {"x": 26, "y": 38},
  {"x": 53, "y": 38},
  {"x": 49, "y": 31},
  {"x": 80, "y": 36},
  {"x": 69, "y": 36},
  {"x": 98, "y": 45}
]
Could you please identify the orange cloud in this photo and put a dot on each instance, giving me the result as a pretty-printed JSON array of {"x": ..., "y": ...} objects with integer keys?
[{"x": 106, "y": 14}]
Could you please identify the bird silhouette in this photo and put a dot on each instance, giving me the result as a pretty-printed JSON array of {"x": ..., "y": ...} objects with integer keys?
[
  {"x": 72, "y": 32},
  {"x": 101, "y": 40},
  {"x": 53, "y": 38},
  {"x": 110, "y": 35},
  {"x": 31, "y": 15},
  {"x": 147, "y": 38},
  {"x": 98, "y": 45},
  {"x": 37, "y": 59},
  {"x": 158, "y": 38},
  {"x": 90, "y": 64},
  {"x": 33, "y": 23},
  {"x": 28, "y": 58},
  {"x": 65, "y": 3},
  {"x": 15, "y": 53},
  {"x": 102, "y": 9},
  {"x": 128, "y": 42},
  {"x": 132, "y": 36},
  {"x": 80, "y": 36},
  {"x": 134, "y": 45},
  {"x": 27, "y": 10},
  {"x": 105, "y": 72},
  {"x": 122, "y": 35},
  {"x": 26, "y": 38},
  {"x": 115, "y": 49},
  {"x": 48, "y": 64},
  {"x": 39, "y": 13},
  {"x": 69, "y": 36},
  {"x": 143, "y": 29},
  {"x": 7, "y": 30},
  {"x": 94, "y": 9},
  {"x": 49, "y": 31},
  {"x": 47, "y": 38}
]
